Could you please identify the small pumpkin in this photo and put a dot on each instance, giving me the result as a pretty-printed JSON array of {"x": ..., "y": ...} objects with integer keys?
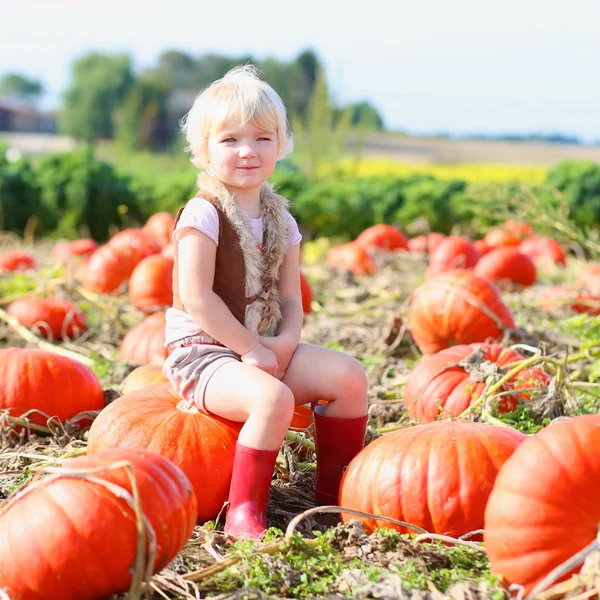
[
  {"x": 523, "y": 230},
  {"x": 425, "y": 243},
  {"x": 482, "y": 247},
  {"x": 446, "y": 383},
  {"x": 507, "y": 264},
  {"x": 382, "y": 237},
  {"x": 52, "y": 318},
  {"x": 32, "y": 379},
  {"x": 307, "y": 294},
  {"x": 65, "y": 251},
  {"x": 81, "y": 540},
  {"x": 144, "y": 343},
  {"x": 135, "y": 238},
  {"x": 142, "y": 377},
  {"x": 544, "y": 251},
  {"x": 501, "y": 238},
  {"x": 17, "y": 260},
  {"x": 352, "y": 257},
  {"x": 544, "y": 506},
  {"x": 437, "y": 476},
  {"x": 156, "y": 418},
  {"x": 160, "y": 227},
  {"x": 168, "y": 251},
  {"x": 109, "y": 268},
  {"x": 456, "y": 307},
  {"x": 589, "y": 279},
  {"x": 454, "y": 252},
  {"x": 151, "y": 283}
]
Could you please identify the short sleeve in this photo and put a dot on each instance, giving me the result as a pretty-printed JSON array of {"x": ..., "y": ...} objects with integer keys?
[
  {"x": 293, "y": 233},
  {"x": 201, "y": 215}
]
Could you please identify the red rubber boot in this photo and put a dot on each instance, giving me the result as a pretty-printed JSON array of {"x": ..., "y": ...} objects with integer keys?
[
  {"x": 249, "y": 492},
  {"x": 337, "y": 442}
]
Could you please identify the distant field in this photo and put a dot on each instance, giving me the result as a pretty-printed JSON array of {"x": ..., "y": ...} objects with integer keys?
[{"x": 473, "y": 160}]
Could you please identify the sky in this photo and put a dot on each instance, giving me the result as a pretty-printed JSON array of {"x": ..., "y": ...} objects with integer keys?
[{"x": 429, "y": 66}]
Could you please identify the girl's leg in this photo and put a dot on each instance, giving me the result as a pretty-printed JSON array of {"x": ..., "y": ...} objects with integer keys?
[
  {"x": 241, "y": 392},
  {"x": 317, "y": 373}
]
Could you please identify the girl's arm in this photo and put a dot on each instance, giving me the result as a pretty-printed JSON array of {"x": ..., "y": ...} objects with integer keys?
[
  {"x": 291, "y": 296},
  {"x": 196, "y": 261}
]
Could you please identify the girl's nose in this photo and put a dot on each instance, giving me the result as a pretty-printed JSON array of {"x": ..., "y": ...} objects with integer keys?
[{"x": 247, "y": 150}]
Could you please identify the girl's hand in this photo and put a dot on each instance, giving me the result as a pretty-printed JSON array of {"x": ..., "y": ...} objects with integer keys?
[
  {"x": 262, "y": 358},
  {"x": 283, "y": 347}
]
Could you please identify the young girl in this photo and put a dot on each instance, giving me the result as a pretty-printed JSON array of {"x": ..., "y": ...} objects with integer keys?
[{"x": 235, "y": 324}]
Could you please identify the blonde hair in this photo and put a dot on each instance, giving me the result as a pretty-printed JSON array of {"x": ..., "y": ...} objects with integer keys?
[{"x": 240, "y": 94}]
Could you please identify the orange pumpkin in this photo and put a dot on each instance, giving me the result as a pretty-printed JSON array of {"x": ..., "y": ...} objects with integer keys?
[
  {"x": 352, "y": 257},
  {"x": 17, "y": 260},
  {"x": 168, "y": 251},
  {"x": 32, "y": 379},
  {"x": 136, "y": 238},
  {"x": 156, "y": 418},
  {"x": 544, "y": 250},
  {"x": 453, "y": 308},
  {"x": 454, "y": 252},
  {"x": 151, "y": 283},
  {"x": 142, "y": 377},
  {"x": 51, "y": 318},
  {"x": 306, "y": 292},
  {"x": 482, "y": 247},
  {"x": 445, "y": 384},
  {"x": 544, "y": 506},
  {"x": 589, "y": 279},
  {"x": 81, "y": 542},
  {"x": 109, "y": 268},
  {"x": 437, "y": 476},
  {"x": 518, "y": 228},
  {"x": 144, "y": 343},
  {"x": 65, "y": 251},
  {"x": 507, "y": 264},
  {"x": 500, "y": 238},
  {"x": 383, "y": 237},
  {"x": 160, "y": 227},
  {"x": 425, "y": 243}
]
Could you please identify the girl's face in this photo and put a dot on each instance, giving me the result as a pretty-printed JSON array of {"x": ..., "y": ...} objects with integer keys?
[{"x": 242, "y": 156}]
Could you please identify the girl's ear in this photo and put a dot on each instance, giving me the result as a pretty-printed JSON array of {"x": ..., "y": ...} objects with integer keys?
[{"x": 198, "y": 162}]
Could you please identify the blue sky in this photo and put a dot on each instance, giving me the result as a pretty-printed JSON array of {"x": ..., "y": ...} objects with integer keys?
[{"x": 458, "y": 66}]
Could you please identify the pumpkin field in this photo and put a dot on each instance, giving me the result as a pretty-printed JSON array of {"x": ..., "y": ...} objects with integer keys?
[{"x": 478, "y": 477}]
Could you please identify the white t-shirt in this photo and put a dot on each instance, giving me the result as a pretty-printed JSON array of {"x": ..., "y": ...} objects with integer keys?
[{"x": 202, "y": 215}]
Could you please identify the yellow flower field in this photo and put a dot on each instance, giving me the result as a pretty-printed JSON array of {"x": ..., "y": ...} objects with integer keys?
[{"x": 472, "y": 173}]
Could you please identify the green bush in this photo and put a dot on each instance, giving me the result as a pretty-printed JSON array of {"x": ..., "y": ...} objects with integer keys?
[
  {"x": 82, "y": 192},
  {"x": 20, "y": 198},
  {"x": 580, "y": 182}
]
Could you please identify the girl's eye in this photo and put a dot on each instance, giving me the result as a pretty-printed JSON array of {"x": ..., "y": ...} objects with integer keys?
[
  {"x": 265, "y": 138},
  {"x": 229, "y": 140}
]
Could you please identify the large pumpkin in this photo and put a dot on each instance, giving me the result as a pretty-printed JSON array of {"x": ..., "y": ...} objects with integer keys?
[
  {"x": 544, "y": 506},
  {"x": 437, "y": 476},
  {"x": 81, "y": 539},
  {"x": 453, "y": 252},
  {"x": 383, "y": 237},
  {"x": 507, "y": 264},
  {"x": 446, "y": 383},
  {"x": 160, "y": 227},
  {"x": 456, "y": 307},
  {"x": 156, "y": 418},
  {"x": 145, "y": 342},
  {"x": 109, "y": 267},
  {"x": 53, "y": 384},
  {"x": 151, "y": 283},
  {"x": 51, "y": 318}
]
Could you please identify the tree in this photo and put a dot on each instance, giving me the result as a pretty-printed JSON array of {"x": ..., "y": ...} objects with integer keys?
[
  {"x": 99, "y": 84},
  {"x": 22, "y": 87},
  {"x": 143, "y": 118}
]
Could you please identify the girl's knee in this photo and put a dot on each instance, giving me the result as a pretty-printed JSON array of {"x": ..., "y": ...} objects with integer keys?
[
  {"x": 275, "y": 401},
  {"x": 352, "y": 377}
]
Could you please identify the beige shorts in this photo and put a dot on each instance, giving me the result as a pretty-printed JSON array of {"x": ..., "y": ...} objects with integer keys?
[{"x": 190, "y": 368}]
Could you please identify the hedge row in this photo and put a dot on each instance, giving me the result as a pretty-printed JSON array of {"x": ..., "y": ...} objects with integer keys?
[{"x": 73, "y": 193}]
